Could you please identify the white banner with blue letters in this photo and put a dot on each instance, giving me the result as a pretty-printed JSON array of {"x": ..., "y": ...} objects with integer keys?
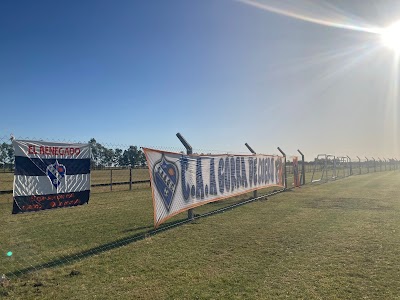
[{"x": 180, "y": 182}]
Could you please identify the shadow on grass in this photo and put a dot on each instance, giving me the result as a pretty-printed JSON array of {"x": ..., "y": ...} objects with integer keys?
[
  {"x": 68, "y": 259},
  {"x": 137, "y": 229},
  {"x": 99, "y": 249}
]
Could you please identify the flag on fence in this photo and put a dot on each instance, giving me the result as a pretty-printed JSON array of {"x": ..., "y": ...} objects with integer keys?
[
  {"x": 180, "y": 182},
  {"x": 50, "y": 175}
]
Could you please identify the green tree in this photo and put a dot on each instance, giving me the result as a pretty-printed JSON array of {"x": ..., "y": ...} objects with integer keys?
[
  {"x": 94, "y": 152},
  {"x": 142, "y": 159},
  {"x": 117, "y": 157},
  {"x": 6, "y": 155},
  {"x": 130, "y": 156},
  {"x": 100, "y": 155},
  {"x": 106, "y": 156}
]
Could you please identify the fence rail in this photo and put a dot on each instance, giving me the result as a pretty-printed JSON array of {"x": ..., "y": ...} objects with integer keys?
[
  {"x": 109, "y": 177},
  {"x": 128, "y": 219}
]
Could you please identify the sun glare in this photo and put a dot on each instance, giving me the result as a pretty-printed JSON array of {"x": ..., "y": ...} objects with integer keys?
[{"x": 391, "y": 36}]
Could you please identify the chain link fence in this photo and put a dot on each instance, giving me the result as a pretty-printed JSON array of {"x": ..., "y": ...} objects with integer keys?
[
  {"x": 113, "y": 167},
  {"x": 120, "y": 209},
  {"x": 329, "y": 167}
]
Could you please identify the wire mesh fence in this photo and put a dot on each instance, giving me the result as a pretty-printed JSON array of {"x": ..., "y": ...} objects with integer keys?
[
  {"x": 120, "y": 208},
  {"x": 330, "y": 167},
  {"x": 113, "y": 167}
]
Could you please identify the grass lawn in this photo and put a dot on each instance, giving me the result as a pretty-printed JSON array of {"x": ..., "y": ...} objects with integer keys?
[{"x": 325, "y": 241}]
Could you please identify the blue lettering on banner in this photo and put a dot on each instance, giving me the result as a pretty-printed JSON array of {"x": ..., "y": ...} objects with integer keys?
[
  {"x": 232, "y": 174},
  {"x": 221, "y": 177},
  {"x": 193, "y": 191},
  {"x": 185, "y": 187},
  {"x": 244, "y": 177},
  {"x": 251, "y": 172},
  {"x": 264, "y": 170},
  {"x": 199, "y": 180},
  {"x": 233, "y": 178},
  {"x": 213, "y": 184},
  {"x": 278, "y": 164},
  {"x": 203, "y": 178},
  {"x": 238, "y": 177},
  {"x": 271, "y": 169},
  {"x": 227, "y": 175},
  {"x": 255, "y": 172}
]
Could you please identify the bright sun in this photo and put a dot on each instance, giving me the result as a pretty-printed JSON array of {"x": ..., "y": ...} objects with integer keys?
[{"x": 391, "y": 36}]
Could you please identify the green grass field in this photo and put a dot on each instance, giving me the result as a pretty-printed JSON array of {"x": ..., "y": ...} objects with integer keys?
[{"x": 337, "y": 240}]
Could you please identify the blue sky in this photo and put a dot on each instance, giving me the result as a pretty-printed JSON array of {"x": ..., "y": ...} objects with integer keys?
[{"x": 221, "y": 72}]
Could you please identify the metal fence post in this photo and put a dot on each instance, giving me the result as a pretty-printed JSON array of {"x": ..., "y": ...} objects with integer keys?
[
  {"x": 189, "y": 150},
  {"x": 374, "y": 164},
  {"x": 359, "y": 165},
  {"x": 284, "y": 156},
  {"x": 351, "y": 168},
  {"x": 303, "y": 170},
  {"x": 367, "y": 164},
  {"x": 252, "y": 151}
]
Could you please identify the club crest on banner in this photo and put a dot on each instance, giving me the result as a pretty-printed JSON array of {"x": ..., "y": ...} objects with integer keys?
[
  {"x": 165, "y": 174},
  {"x": 55, "y": 172}
]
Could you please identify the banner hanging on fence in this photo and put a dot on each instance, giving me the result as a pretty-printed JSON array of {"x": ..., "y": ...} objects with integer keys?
[
  {"x": 50, "y": 175},
  {"x": 180, "y": 182}
]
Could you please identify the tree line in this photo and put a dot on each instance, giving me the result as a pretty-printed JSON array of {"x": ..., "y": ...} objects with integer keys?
[
  {"x": 108, "y": 157},
  {"x": 101, "y": 156}
]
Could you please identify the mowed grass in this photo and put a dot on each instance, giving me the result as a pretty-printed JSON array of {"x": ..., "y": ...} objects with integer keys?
[
  {"x": 6, "y": 181},
  {"x": 328, "y": 241}
]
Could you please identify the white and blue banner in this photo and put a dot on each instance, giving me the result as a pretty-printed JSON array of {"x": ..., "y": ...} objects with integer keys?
[
  {"x": 180, "y": 182},
  {"x": 50, "y": 175}
]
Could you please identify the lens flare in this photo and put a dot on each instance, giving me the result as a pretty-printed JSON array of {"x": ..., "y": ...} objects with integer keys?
[
  {"x": 9, "y": 253},
  {"x": 391, "y": 36},
  {"x": 372, "y": 40},
  {"x": 307, "y": 17}
]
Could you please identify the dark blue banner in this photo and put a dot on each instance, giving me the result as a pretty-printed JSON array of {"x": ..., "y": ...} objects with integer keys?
[
  {"x": 37, "y": 166},
  {"x": 35, "y": 203}
]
